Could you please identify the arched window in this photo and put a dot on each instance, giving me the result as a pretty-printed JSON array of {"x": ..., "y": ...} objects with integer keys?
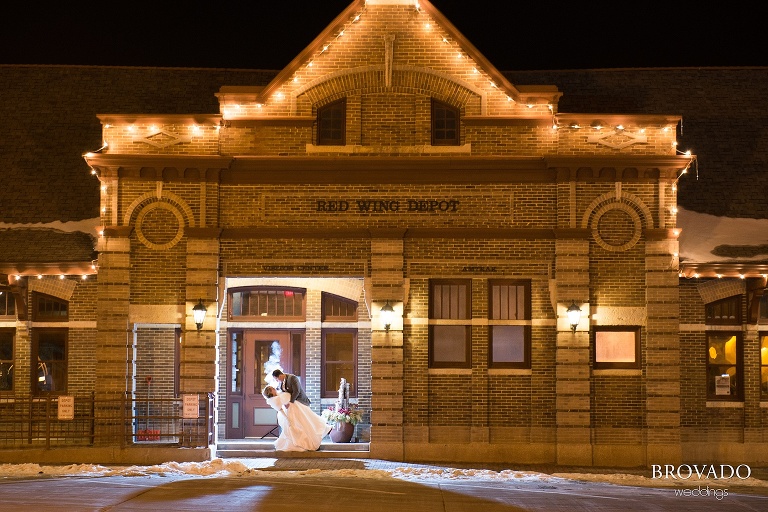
[{"x": 46, "y": 308}]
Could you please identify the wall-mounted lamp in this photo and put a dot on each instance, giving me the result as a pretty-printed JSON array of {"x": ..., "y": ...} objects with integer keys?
[
  {"x": 199, "y": 313},
  {"x": 387, "y": 315},
  {"x": 574, "y": 315}
]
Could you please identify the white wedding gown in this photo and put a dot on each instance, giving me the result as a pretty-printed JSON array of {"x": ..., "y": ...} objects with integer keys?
[{"x": 300, "y": 428}]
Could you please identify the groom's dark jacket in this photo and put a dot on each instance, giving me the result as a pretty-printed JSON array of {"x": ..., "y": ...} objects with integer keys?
[{"x": 292, "y": 385}]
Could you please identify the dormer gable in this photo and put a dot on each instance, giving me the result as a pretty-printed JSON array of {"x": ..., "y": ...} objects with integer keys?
[{"x": 405, "y": 47}]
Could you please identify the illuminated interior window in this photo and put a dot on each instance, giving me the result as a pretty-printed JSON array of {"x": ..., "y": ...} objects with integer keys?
[
  {"x": 724, "y": 366},
  {"x": 616, "y": 347}
]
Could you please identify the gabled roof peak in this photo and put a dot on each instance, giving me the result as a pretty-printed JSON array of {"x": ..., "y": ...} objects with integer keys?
[{"x": 387, "y": 37}]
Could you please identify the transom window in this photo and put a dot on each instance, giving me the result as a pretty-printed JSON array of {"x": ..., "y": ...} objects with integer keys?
[
  {"x": 338, "y": 309},
  {"x": 509, "y": 313},
  {"x": 616, "y": 347},
  {"x": 46, "y": 308},
  {"x": 267, "y": 304},
  {"x": 339, "y": 360},
  {"x": 724, "y": 366},
  {"x": 725, "y": 311},
  {"x": 445, "y": 124},
  {"x": 332, "y": 123},
  {"x": 450, "y": 315}
]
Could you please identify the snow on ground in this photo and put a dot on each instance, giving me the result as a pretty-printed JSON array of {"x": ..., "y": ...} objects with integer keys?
[{"x": 241, "y": 468}]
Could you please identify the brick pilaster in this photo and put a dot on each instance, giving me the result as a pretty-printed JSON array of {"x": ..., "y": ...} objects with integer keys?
[
  {"x": 662, "y": 353},
  {"x": 386, "y": 283},
  {"x": 572, "y": 374}
]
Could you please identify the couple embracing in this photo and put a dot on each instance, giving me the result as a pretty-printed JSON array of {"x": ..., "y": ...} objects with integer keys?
[{"x": 300, "y": 428}]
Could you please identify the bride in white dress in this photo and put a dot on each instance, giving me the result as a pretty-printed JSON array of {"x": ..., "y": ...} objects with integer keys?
[{"x": 300, "y": 428}]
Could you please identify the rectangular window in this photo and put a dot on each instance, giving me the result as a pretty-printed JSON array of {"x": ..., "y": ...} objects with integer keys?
[
  {"x": 7, "y": 303},
  {"x": 445, "y": 124},
  {"x": 510, "y": 343},
  {"x": 724, "y": 366},
  {"x": 49, "y": 356},
  {"x": 6, "y": 359},
  {"x": 267, "y": 304},
  {"x": 332, "y": 123},
  {"x": 617, "y": 347},
  {"x": 763, "y": 366},
  {"x": 450, "y": 317},
  {"x": 339, "y": 360}
]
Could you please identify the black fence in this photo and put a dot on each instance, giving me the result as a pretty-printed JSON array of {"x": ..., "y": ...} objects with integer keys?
[{"x": 52, "y": 421}]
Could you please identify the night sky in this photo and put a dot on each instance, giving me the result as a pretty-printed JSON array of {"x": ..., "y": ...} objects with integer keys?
[{"x": 262, "y": 34}]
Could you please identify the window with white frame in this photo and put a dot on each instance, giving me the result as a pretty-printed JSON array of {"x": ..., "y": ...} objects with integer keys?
[{"x": 450, "y": 318}]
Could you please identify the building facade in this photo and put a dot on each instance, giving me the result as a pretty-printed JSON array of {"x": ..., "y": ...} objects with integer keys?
[{"x": 390, "y": 164}]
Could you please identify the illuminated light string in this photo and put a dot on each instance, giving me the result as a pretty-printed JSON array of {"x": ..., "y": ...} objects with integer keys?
[{"x": 84, "y": 277}]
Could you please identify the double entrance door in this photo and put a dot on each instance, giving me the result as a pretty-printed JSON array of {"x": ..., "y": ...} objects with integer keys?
[{"x": 252, "y": 356}]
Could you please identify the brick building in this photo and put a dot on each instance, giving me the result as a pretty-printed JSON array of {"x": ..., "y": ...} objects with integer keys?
[{"x": 388, "y": 164}]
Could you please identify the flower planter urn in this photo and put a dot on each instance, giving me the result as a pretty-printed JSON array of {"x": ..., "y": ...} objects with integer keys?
[{"x": 342, "y": 432}]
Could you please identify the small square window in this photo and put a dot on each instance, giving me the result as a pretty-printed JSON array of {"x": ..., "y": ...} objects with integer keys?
[{"x": 617, "y": 347}]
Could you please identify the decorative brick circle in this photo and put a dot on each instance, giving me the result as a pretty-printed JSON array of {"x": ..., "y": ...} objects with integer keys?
[
  {"x": 158, "y": 230},
  {"x": 621, "y": 232}
]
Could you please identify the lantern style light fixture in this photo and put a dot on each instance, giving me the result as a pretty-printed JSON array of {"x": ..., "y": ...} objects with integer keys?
[
  {"x": 199, "y": 313},
  {"x": 574, "y": 315},
  {"x": 387, "y": 314}
]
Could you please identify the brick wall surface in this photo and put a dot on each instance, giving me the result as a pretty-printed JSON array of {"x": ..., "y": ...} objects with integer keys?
[{"x": 179, "y": 230}]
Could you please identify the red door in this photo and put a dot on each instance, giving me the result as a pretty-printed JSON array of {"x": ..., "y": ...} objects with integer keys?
[{"x": 263, "y": 352}]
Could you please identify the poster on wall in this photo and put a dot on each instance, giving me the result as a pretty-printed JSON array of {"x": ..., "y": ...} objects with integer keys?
[{"x": 723, "y": 384}]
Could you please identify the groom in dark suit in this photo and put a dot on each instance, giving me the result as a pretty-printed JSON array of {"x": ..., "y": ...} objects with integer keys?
[{"x": 291, "y": 384}]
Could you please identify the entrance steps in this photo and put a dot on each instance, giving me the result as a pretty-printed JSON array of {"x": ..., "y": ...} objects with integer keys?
[{"x": 255, "y": 447}]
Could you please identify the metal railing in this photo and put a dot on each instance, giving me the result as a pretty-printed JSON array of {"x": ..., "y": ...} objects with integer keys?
[{"x": 120, "y": 420}]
